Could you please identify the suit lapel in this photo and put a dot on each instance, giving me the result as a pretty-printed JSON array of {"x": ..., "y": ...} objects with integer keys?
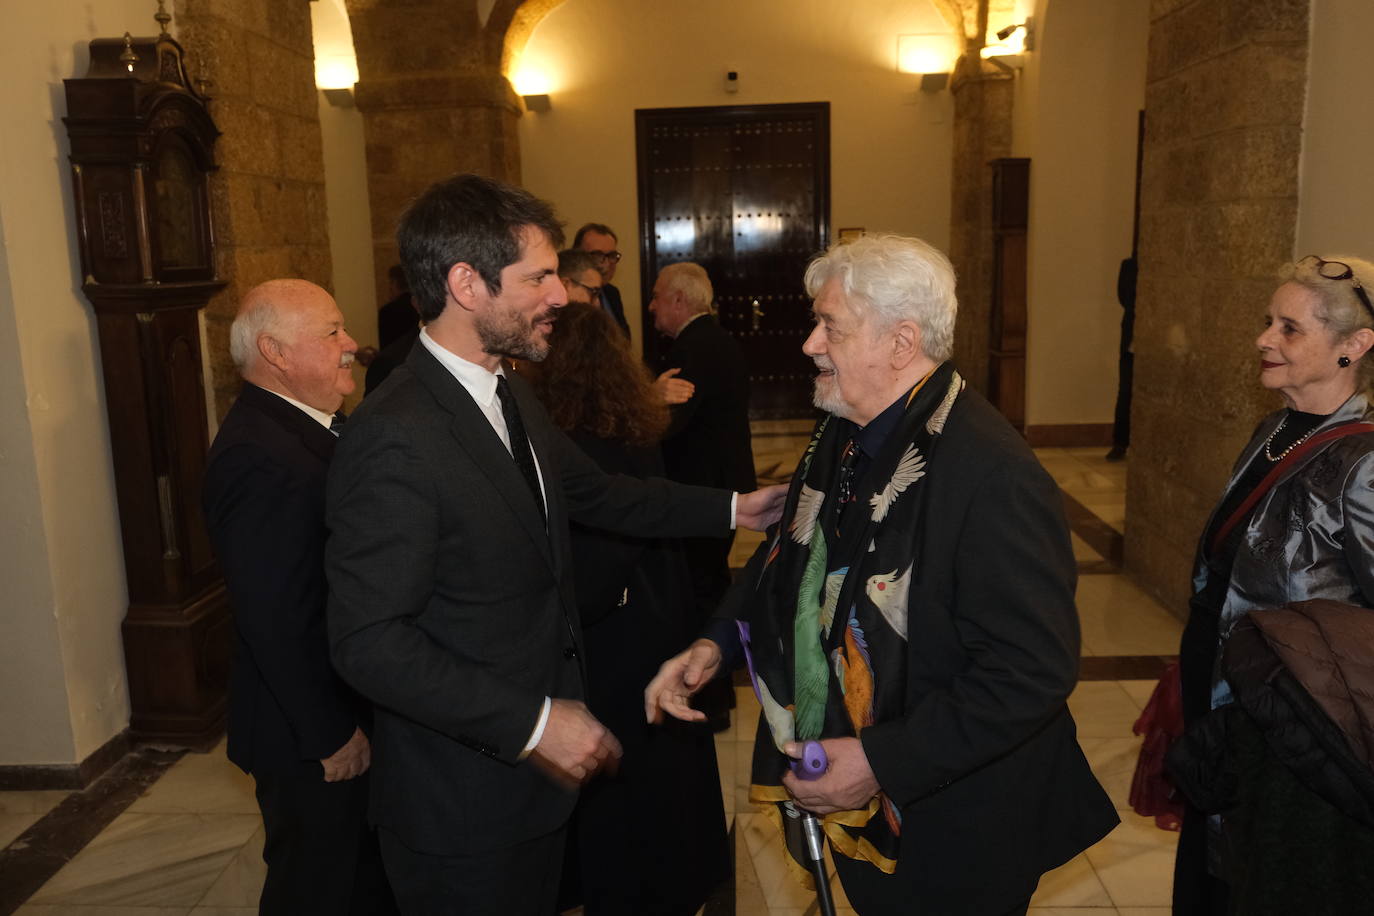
[
  {"x": 313, "y": 436},
  {"x": 474, "y": 435}
]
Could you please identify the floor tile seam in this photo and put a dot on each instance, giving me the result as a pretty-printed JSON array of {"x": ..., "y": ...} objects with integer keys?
[{"x": 42, "y": 856}]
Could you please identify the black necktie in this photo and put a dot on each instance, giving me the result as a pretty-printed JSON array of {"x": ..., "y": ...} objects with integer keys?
[
  {"x": 519, "y": 442},
  {"x": 336, "y": 424}
]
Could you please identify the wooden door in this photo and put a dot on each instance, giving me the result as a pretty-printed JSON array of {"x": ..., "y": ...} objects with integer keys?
[
  {"x": 744, "y": 192},
  {"x": 1007, "y": 342}
]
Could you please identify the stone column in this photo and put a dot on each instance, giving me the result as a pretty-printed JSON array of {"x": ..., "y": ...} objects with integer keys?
[
  {"x": 982, "y": 133},
  {"x": 434, "y": 102},
  {"x": 1225, "y": 85},
  {"x": 268, "y": 195}
]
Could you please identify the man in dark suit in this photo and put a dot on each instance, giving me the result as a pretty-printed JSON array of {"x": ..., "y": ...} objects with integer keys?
[
  {"x": 708, "y": 441},
  {"x": 599, "y": 240},
  {"x": 451, "y": 598},
  {"x": 914, "y": 614},
  {"x": 293, "y": 724}
]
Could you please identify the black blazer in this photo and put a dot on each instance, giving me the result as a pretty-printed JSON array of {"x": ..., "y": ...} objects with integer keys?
[
  {"x": 263, "y": 499},
  {"x": 985, "y": 765},
  {"x": 452, "y": 607},
  {"x": 611, "y": 302},
  {"x": 708, "y": 441}
]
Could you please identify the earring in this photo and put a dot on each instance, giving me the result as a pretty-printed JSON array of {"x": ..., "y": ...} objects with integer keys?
[{"x": 1343, "y": 362}]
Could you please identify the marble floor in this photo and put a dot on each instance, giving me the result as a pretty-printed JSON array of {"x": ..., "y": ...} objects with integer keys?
[{"x": 191, "y": 843}]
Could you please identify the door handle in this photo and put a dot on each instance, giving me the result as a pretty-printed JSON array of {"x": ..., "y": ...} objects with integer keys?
[{"x": 757, "y": 311}]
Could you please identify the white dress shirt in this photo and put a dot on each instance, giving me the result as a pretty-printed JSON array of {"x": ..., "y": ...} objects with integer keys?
[{"x": 480, "y": 382}]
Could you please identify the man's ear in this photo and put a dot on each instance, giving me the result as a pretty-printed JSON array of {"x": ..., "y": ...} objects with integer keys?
[
  {"x": 906, "y": 344},
  {"x": 269, "y": 348},
  {"x": 464, "y": 283}
]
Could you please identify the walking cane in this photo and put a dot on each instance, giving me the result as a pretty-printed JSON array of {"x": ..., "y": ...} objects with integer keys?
[{"x": 812, "y": 765}]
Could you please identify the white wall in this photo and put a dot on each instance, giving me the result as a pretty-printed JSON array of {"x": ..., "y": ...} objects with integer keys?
[
  {"x": 62, "y": 686},
  {"x": 350, "y": 224},
  {"x": 1076, "y": 112},
  {"x": 890, "y": 143},
  {"x": 1336, "y": 201}
]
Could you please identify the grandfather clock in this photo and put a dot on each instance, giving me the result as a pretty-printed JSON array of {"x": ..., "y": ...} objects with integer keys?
[{"x": 142, "y": 148}]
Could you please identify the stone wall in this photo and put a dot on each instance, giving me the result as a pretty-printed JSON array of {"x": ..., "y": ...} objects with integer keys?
[
  {"x": 1224, "y": 101},
  {"x": 269, "y": 200},
  {"x": 982, "y": 133},
  {"x": 434, "y": 101}
]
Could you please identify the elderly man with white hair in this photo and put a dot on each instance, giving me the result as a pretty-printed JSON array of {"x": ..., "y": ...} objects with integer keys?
[
  {"x": 913, "y": 613},
  {"x": 293, "y": 724}
]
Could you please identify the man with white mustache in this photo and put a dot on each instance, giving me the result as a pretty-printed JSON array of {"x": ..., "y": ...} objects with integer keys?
[
  {"x": 913, "y": 614},
  {"x": 293, "y": 724}
]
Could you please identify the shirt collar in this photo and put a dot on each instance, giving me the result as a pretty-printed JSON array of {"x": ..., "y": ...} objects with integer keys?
[
  {"x": 479, "y": 381},
  {"x": 869, "y": 439},
  {"x": 319, "y": 416}
]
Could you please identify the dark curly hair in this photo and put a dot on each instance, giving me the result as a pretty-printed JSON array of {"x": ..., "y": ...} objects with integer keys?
[{"x": 592, "y": 381}]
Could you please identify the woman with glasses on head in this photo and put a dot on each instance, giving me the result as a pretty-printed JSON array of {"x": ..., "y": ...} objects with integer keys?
[
  {"x": 1283, "y": 814},
  {"x": 649, "y": 839}
]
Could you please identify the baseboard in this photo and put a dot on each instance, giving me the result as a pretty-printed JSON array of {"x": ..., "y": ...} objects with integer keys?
[
  {"x": 76, "y": 776},
  {"x": 1069, "y": 435}
]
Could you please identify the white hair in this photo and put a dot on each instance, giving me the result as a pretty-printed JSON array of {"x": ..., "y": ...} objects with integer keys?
[
  {"x": 257, "y": 316},
  {"x": 893, "y": 278},
  {"x": 691, "y": 280}
]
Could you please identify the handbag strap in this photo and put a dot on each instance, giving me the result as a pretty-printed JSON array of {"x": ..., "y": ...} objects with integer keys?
[{"x": 1311, "y": 445}]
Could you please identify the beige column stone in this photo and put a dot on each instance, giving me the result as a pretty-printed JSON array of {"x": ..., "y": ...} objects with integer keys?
[
  {"x": 982, "y": 132},
  {"x": 1225, "y": 87},
  {"x": 434, "y": 99},
  {"x": 268, "y": 194}
]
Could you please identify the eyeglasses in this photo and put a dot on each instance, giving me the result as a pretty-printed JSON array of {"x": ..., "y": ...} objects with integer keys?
[
  {"x": 612, "y": 256},
  {"x": 1339, "y": 270},
  {"x": 593, "y": 291}
]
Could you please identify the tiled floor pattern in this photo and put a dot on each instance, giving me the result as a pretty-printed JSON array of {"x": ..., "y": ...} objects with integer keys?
[{"x": 192, "y": 843}]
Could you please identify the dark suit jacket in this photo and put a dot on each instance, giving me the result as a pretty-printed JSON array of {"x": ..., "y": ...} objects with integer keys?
[
  {"x": 263, "y": 499},
  {"x": 985, "y": 765},
  {"x": 611, "y": 301},
  {"x": 452, "y": 608},
  {"x": 708, "y": 441},
  {"x": 388, "y": 358}
]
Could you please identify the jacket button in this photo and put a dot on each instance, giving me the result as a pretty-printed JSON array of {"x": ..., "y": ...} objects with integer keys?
[{"x": 570, "y": 653}]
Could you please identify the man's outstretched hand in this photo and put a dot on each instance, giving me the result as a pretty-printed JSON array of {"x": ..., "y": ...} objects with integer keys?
[
  {"x": 761, "y": 508},
  {"x": 678, "y": 678}
]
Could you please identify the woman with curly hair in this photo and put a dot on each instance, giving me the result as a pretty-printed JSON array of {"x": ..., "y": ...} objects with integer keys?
[{"x": 650, "y": 838}]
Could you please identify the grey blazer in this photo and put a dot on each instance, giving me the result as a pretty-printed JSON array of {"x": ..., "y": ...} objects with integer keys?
[
  {"x": 1311, "y": 535},
  {"x": 451, "y": 606}
]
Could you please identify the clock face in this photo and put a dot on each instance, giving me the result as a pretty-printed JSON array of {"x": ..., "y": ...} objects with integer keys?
[{"x": 178, "y": 188}]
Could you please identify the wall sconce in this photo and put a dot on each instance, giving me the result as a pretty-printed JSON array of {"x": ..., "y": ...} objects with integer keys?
[
  {"x": 931, "y": 56},
  {"x": 1027, "y": 34},
  {"x": 539, "y": 102}
]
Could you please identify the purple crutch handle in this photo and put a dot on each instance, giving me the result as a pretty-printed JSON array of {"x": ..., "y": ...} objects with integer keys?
[{"x": 813, "y": 762}]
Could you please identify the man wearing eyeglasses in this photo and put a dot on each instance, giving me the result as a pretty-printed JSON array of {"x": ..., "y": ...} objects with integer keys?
[
  {"x": 598, "y": 240},
  {"x": 581, "y": 278}
]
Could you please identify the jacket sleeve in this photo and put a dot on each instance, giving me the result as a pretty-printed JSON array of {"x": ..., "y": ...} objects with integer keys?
[
  {"x": 1358, "y": 504},
  {"x": 268, "y": 534},
  {"x": 386, "y": 526},
  {"x": 1013, "y": 610},
  {"x": 652, "y": 507}
]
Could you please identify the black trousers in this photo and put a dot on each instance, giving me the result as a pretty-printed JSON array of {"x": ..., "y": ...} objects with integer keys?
[
  {"x": 520, "y": 880},
  {"x": 321, "y": 855}
]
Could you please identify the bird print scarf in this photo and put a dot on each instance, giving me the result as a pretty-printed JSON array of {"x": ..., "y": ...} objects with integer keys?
[{"x": 828, "y": 623}]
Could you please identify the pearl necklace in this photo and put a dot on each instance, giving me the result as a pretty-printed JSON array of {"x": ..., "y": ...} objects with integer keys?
[{"x": 1284, "y": 454}]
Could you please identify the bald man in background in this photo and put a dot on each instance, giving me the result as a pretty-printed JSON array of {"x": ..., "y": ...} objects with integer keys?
[{"x": 293, "y": 724}]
